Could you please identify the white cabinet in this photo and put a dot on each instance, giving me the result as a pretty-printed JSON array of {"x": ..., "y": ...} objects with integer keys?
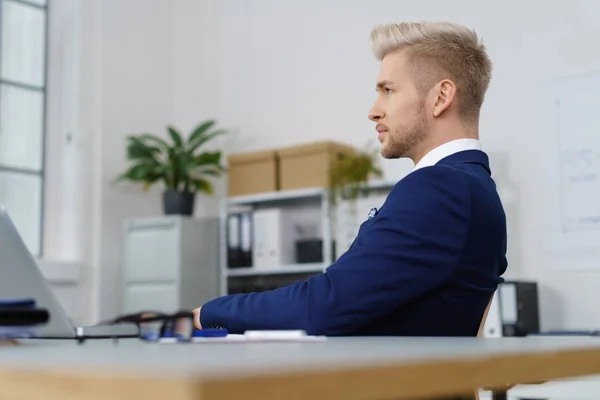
[{"x": 170, "y": 263}]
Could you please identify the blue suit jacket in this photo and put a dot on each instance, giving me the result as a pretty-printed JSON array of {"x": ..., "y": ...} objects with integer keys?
[{"x": 425, "y": 265}]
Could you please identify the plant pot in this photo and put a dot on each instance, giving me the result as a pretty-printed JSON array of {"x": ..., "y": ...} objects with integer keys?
[{"x": 178, "y": 203}]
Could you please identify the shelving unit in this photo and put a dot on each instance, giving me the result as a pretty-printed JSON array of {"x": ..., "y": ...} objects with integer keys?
[
  {"x": 311, "y": 197},
  {"x": 284, "y": 269}
]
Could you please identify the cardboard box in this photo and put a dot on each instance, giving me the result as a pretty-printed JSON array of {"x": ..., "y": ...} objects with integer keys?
[
  {"x": 253, "y": 172},
  {"x": 307, "y": 165}
]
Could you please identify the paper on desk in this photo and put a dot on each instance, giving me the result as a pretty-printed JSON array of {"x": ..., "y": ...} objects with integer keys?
[{"x": 235, "y": 338}]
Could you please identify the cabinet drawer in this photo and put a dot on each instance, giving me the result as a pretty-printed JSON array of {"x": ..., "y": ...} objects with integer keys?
[{"x": 152, "y": 252}]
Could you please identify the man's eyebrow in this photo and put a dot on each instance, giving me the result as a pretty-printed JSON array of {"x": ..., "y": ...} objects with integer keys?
[{"x": 382, "y": 84}]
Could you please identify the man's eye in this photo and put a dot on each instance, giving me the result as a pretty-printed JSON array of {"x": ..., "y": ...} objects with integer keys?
[{"x": 388, "y": 91}]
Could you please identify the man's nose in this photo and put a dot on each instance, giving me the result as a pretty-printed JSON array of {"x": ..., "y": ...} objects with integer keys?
[{"x": 375, "y": 114}]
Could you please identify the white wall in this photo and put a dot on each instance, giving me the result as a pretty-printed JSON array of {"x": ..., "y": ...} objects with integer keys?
[
  {"x": 109, "y": 77},
  {"x": 279, "y": 73},
  {"x": 68, "y": 194}
]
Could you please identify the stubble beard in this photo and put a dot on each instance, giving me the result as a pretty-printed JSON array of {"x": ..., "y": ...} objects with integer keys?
[{"x": 403, "y": 139}]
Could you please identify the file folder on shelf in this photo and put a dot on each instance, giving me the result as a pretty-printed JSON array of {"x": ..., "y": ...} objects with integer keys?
[{"x": 239, "y": 239}]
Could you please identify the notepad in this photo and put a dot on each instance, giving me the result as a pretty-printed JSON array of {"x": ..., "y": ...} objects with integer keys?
[
  {"x": 235, "y": 338},
  {"x": 257, "y": 336}
]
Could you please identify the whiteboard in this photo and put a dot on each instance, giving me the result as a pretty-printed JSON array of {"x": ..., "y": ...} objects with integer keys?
[{"x": 571, "y": 130}]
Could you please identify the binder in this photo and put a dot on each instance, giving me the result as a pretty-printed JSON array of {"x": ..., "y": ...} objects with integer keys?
[
  {"x": 519, "y": 308},
  {"x": 274, "y": 238},
  {"x": 233, "y": 241},
  {"x": 239, "y": 239},
  {"x": 246, "y": 238}
]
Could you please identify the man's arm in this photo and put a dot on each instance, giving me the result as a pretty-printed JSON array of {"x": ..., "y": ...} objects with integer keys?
[{"x": 411, "y": 246}]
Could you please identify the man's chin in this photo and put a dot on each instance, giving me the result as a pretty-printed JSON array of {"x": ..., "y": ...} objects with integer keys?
[
  {"x": 390, "y": 156},
  {"x": 387, "y": 152}
]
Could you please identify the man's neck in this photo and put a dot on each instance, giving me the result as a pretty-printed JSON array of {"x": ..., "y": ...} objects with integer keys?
[
  {"x": 444, "y": 134},
  {"x": 430, "y": 145},
  {"x": 446, "y": 149}
]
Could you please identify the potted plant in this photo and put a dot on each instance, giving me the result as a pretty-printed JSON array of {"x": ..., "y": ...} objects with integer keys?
[
  {"x": 178, "y": 163},
  {"x": 349, "y": 174}
]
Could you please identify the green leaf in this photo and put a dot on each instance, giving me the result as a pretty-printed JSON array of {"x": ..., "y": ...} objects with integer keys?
[
  {"x": 216, "y": 170},
  {"x": 350, "y": 173},
  {"x": 200, "y": 130},
  {"x": 142, "y": 172},
  {"x": 207, "y": 170},
  {"x": 185, "y": 164},
  {"x": 176, "y": 137},
  {"x": 203, "y": 185},
  {"x": 199, "y": 141},
  {"x": 138, "y": 150},
  {"x": 208, "y": 158},
  {"x": 152, "y": 138},
  {"x": 208, "y": 164}
]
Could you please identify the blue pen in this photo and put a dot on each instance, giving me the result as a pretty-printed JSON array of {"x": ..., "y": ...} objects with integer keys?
[
  {"x": 24, "y": 302},
  {"x": 209, "y": 333},
  {"x": 150, "y": 337},
  {"x": 169, "y": 337}
]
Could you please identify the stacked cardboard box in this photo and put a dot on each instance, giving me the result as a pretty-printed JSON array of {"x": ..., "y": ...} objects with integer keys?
[{"x": 295, "y": 167}]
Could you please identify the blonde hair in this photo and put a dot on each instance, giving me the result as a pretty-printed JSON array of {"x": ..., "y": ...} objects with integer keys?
[{"x": 440, "y": 50}]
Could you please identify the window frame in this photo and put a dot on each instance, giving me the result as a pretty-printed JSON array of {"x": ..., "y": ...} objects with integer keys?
[{"x": 43, "y": 90}]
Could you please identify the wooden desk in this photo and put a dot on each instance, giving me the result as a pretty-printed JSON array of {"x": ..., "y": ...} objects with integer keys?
[{"x": 340, "y": 368}]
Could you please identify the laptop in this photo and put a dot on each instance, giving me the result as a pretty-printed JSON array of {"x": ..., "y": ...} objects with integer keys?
[{"x": 21, "y": 277}]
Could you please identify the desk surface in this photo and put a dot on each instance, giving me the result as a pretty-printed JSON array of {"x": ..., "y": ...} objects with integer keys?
[{"x": 344, "y": 368}]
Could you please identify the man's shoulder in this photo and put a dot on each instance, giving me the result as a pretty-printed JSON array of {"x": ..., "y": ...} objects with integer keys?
[
  {"x": 433, "y": 191},
  {"x": 431, "y": 179}
]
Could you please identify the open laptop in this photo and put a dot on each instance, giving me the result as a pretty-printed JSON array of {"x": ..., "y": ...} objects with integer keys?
[{"x": 20, "y": 277}]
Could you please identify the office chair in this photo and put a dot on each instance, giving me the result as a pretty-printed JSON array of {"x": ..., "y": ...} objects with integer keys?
[
  {"x": 497, "y": 394},
  {"x": 480, "y": 334}
]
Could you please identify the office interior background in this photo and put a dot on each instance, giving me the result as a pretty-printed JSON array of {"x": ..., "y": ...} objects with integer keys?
[{"x": 79, "y": 76}]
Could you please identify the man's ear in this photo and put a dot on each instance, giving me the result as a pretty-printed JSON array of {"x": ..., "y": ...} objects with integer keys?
[{"x": 446, "y": 91}]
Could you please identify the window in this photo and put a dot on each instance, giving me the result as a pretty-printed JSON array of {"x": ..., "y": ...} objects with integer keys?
[{"x": 23, "y": 47}]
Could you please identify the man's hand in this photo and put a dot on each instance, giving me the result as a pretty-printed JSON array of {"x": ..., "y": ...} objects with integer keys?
[{"x": 196, "y": 313}]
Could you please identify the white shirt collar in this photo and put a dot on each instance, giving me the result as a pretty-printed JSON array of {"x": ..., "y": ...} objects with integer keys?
[{"x": 446, "y": 150}]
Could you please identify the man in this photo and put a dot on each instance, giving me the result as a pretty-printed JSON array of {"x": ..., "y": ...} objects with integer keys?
[{"x": 430, "y": 259}]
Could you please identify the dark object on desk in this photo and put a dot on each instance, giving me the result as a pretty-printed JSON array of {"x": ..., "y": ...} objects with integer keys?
[
  {"x": 20, "y": 318},
  {"x": 519, "y": 308},
  {"x": 22, "y": 312},
  {"x": 23, "y": 316},
  {"x": 146, "y": 316},
  {"x": 168, "y": 322}
]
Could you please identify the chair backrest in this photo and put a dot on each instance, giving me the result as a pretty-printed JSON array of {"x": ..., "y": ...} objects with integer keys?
[
  {"x": 480, "y": 334},
  {"x": 484, "y": 318}
]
